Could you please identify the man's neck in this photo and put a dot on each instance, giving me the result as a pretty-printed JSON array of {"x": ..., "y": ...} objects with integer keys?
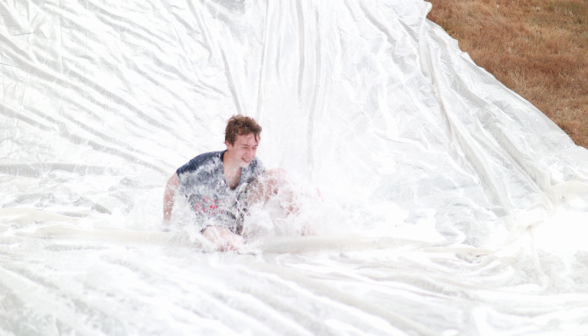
[{"x": 232, "y": 171}]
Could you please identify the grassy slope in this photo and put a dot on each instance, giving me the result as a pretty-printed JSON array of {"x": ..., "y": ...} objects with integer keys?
[{"x": 537, "y": 48}]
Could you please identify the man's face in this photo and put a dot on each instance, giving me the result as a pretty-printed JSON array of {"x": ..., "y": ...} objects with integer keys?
[{"x": 244, "y": 149}]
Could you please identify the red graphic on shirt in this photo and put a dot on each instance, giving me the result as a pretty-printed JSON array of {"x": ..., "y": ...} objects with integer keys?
[{"x": 208, "y": 206}]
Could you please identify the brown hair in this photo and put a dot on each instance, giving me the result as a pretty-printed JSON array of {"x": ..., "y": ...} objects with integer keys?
[{"x": 241, "y": 125}]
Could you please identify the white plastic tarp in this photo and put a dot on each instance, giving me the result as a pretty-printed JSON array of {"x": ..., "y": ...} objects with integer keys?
[{"x": 450, "y": 205}]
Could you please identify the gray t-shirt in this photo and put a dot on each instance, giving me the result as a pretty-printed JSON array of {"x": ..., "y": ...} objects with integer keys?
[{"x": 202, "y": 182}]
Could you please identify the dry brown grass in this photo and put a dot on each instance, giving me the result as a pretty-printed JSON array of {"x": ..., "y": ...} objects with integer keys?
[{"x": 537, "y": 48}]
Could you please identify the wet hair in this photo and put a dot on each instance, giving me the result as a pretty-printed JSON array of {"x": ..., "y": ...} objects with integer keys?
[{"x": 241, "y": 125}]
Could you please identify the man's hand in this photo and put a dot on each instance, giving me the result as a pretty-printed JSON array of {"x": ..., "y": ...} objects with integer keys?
[{"x": 224, "y": 239}]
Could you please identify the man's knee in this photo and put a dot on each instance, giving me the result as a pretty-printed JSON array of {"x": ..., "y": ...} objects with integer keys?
[
  {"x": 280, "y": 173},
  {"x": 276, "y": 178}
]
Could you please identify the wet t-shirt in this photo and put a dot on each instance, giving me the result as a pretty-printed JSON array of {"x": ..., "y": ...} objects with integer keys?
[{"x": 202, "y": 182}]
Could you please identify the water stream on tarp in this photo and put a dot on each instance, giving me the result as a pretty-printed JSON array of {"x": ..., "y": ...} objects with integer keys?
[{"x": 446, "y": 204}]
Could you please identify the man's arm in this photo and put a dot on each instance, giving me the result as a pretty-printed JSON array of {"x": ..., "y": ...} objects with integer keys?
[
  {"x": 277, "y": 183},
  {"x": 273, "y": 183},
  {"x": 267, "y": 185},
  {"x": 168, "y": 196}
]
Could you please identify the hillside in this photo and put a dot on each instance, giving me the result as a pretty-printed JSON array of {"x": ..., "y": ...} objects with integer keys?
[{"x": 537, "y": 48}]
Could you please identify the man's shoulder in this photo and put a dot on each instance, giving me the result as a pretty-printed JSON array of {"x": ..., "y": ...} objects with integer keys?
[
  {"x": 209, "y": 159},
  {"x": 205, "y": 157},
  {"x": 256, "y": 167}
]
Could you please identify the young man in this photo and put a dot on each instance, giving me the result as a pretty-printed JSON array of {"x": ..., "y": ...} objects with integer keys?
[{"x": 220, "y": 185}]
